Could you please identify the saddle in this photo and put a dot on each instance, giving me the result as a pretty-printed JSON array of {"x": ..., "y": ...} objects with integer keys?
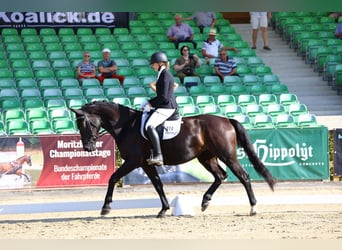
[{"x": 167, "y": 130}]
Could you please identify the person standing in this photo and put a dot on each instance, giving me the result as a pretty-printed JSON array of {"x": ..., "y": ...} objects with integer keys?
[
  {"x": 225, "y": 65},
  {"x": 164, "y": 105},
  {"x": 203, "y": 19},
  {"x": 181, "y": 32},
  {"x": 260, "y": 20},
  {"x": 86, "y": 69},
  {"x": 108, "y": 68},
  {"x": 186, "y": 64}
]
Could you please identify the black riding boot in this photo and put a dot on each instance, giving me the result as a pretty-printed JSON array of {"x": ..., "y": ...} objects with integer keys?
[{"x": 156, "y": 158}]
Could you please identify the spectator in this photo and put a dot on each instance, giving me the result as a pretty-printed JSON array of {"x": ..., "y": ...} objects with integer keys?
[
  {"x": 211, "y": 46},
  {"x": 181, "y": 32},
  {"x": 108, "y": 68},
  {"x": 225, "y": 65},
  {"x": 203, "y": 19},
  {"x": 260, "y": 19},
  {"x": 338, "y": 32},
  {"x": 86, "y": 69},
  {"x": 186, "y": 64},
  {"x": 335, "y": 16}
]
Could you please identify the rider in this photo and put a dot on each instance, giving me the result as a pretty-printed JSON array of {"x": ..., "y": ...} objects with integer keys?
[{"x": 164, "y": 104}]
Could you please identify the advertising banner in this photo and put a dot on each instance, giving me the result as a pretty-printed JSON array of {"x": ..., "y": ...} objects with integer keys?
[
  {"x": 67, "y": 164},
  {"x": 289, "y": 154},
  {"x": 56, "y": 20},
  {"x": 338, "y": 152},
  {"x": 54, "y": 161}
]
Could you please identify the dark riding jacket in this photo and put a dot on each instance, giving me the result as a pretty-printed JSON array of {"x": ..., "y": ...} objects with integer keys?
[{"x": 165, "y": 96}]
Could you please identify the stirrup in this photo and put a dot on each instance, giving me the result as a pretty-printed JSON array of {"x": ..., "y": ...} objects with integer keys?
[{"x": 155, "y": 161}]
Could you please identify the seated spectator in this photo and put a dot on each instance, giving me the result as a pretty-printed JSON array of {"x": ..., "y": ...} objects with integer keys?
[
  {"x": 225, "y": 65},
  {"x": 335, "y": 15},
  {"x": 186, "y": 64},
  {"x": 181, "y": 32},
  {"x": 211, "y": 46},
  {"x": 108, "y": 68},
  {"x": 86, "y": 69},
  {"x": 203, "y": 19},
  {"x": 338, "y": 32}
]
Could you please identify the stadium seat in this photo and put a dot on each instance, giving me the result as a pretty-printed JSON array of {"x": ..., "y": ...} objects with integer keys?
[
  {"x": 225, "y": 99},
  {"x": 76, "y": 103},
  {"x": 232, "y": 110},
  {"x": 212, "y": 110},
  {"x": 263, "y": 121},
  {"x": 190, "y": 111},
  {"x": 125, "y": 101},
  {"x": 113, "y": 92},
  {"x": 64, "y": 127},
  {"x": 55, "y": 104},
  {"x": 41, "y": 127},
  {"x": 18, "y": 127},
  {"x": 307, "y": 120},
  {"x": 32, "y": 93},
  {"x": 284, "y": 120},
  {"x": 10, "y": 104},
  {"x": 26, "y": 83},
  {"x": 36, "y": 114}
]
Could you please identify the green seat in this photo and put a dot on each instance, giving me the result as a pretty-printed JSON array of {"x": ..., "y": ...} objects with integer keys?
[
  {"x": 93, "y": 93},
  {"x": 10, "y": 104},
  {"x": 237, "y": 90},
  {"x": 137, "y": 101},
  {"x": 218, "y": 89},
  {"x": 243, "y": 70},
  {"x": 245, "y": 100},
  {"x": 211, "y": 80},
  {"x": 136, "y": 91},
  {"x": 36, "y": 114},
  {"x": 73, "y": 46},
  {"x": 55, "y": 104},
  {"x": 17, "y": 55},
  {"x": 33, "y": 104},
  {"x": 84, "y": 32},
  {"x": 40, "y": 64},
  {"x": 295, "y": 109},
  {"x": 73, "y": 93},
  {"x": 75, "y": 55},
  {"x": 92, "y": 46},
  {"x": 30, "y": 40},
  {"x": 181, "y": 91},
  {"x": 65, "y": 73},
  {"x": 102, "y": 31},
  {"x": 49, "y": 39},
  {"x": 263, "y": 121},
  {"x": 204, "y": 100},
  {"x": 231, "y": 80},
  {"x": 113, "y": 92},
  {"x": 47, "y": 32},
  {"x": 66, "y": 32},
  {"x": 307, "y": 120},
  {"x": 279, "y": 89},
  {"x": 267, "y": 99},
  {"x": 184, "y": 100},
  {"x": 4, "y": 64},
  {"x": 59, "y": 114},
  {"x": 134, "y": 54},
  {"x": 14, "y": 47},
  {"x": 41, "y": 127},
  {"x": 37, "y": 55},
  {"x": 142, "y": 72},
  {"x": 70, "y": 39},
  {"x": 110, "y": 82},
  {"x": 44, "y": 74},
  {"x": 125, "y": 101},
  {"x": 140, "y": 62},
  {"x": 9, "y": 94},
  {"x": 47, "y": 84},
  {"x": 64, "y": 127},
  {"x": 28, "y": 32},
  {"x": 232, "y": 110},
  {"x": 243, "y": 119},
  {"x": 191, "y": 81},
  {"x": 190, "y": 111},
  {"x": 30, "y": 94},
  {"x": 284, "y": 120},
  {"x": 23, "y": 73},
  {"x": 121, "y": 31},
  {"x": 50, "y": 47},
  {"x": 33, "y": 47},
  {"x": 198, "y": 90},
  {"x": 57, "y": 55},
  {"x": 288, "y": 98},
  {"x": 275, "y": 109},
  {"x": 13, "y": 114},
  {"x": 225, "y": 99},
  {"x": 258, "y": 89},
  {"x": 76, "y": 103},
  {"x": 18, "y": 127},
  {"x": 124, "y": 38},
  {"x": 126, "y": 71},
  {"x": 52, "y": 94},
  {"x": 211, "y": 109},
  {"x": 7, "y": 84},
  {"x": 138, "y": 30}
]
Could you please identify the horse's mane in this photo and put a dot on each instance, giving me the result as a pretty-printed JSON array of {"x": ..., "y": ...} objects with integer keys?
[{"x": 104, "y": 107}]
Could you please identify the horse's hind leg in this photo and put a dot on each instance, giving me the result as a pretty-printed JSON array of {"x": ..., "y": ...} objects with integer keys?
[
  {"x": 211, "y": 164},
  {"x": 152, "y": 173},
  {"x": 243, "y": 176}
]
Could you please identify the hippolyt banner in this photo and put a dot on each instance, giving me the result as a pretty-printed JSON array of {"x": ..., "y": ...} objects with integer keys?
[{"x": 67, "y": 164}]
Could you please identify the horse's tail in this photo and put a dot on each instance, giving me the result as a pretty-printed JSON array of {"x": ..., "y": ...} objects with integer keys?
[{"x": 244, "y": 142}]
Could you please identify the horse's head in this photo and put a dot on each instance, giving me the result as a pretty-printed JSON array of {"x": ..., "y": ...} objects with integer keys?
[
  {"x": 89, "y": 126},
  {"x": 29, "y": 160}
]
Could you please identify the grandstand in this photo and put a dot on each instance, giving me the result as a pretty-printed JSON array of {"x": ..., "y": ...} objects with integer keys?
[{"x": 38, "y": 70}]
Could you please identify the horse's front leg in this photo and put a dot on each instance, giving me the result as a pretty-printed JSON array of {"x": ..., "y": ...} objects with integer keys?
[
  {"x": 116, "y": 176},
  {"x": 152, "y": 173}
]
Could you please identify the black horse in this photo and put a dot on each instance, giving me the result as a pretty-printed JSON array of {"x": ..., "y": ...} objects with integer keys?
[{"x": 206, "y": 137}]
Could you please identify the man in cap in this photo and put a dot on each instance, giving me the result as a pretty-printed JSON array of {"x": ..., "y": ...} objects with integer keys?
[
  {"x": 108, "y": 68},
  {"x": 211, "y": 46}
]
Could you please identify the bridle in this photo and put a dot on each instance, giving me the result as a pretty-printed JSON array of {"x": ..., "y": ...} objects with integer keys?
[{"x": 90, "y": 125}]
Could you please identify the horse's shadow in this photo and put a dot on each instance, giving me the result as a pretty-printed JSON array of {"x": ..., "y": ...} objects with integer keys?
[{"x": 71, "y": 219}]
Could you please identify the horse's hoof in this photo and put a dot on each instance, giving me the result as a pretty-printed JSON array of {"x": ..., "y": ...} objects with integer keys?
[
  {"x": 253, "y": 211},
  {"x": 204, "y": 206},
  {"x": 161, "y": 214},
  {"x": 105, "y": 211}
]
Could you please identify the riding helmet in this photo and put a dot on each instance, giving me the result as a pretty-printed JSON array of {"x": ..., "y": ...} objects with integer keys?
[{"x": 158, "y": 57}]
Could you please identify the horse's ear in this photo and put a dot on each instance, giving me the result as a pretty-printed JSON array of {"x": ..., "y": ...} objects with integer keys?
[{"x": 77, "y": 111}]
